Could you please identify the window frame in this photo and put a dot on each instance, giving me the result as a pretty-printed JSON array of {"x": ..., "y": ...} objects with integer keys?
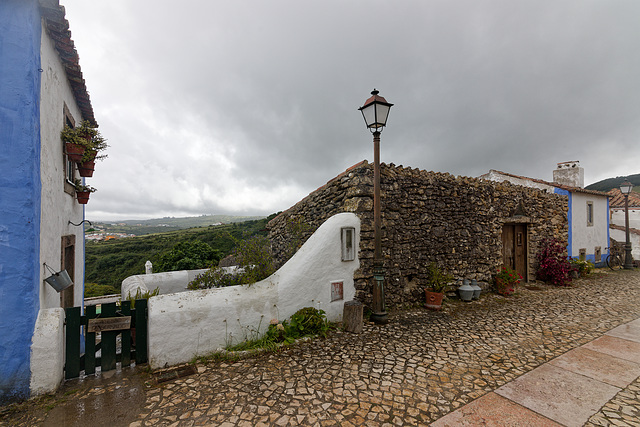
[{"x": 589, "y": 214}]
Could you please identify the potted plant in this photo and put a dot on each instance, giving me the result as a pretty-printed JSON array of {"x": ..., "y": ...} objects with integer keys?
[
  {"x": 437, "y": 282},
  {"x": 82, "y": 191},
  {"x": 73, "y": 144},
  {"x": 83, "y": 145},
  {"x": 94, "y": 144},
  {"x": 506, "y": 280}
]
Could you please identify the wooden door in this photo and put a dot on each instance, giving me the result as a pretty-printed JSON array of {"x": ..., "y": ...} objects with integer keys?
[
  {"x": 68, "y": 263},
  {"x": 514, "y": 247}
]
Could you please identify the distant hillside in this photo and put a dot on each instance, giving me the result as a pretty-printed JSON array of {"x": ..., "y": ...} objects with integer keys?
[
  {"x": 141, "y": 227},
  {"x": 110, "y": 262},
  {"x": 610, "y": 183}
]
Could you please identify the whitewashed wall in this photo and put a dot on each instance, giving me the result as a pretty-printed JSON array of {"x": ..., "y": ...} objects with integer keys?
[
  {"x": 57, "y": 207},
  {"x": 617, "y": 217},
  {"x": 193, "y": 323},
  {"x": 620, "y": 236},
  {"x": 47, "y": 351},
  {"x": 582, "y": 235},
  {"x": 167, "y": 283},
  {"x": 496, "y": 176}
]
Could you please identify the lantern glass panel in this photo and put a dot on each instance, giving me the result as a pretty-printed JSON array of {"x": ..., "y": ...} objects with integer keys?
[
  {"x": 369, "y": 114},
  {"x": 383, "y": 113},
  {"x": 626, "y": 187}
]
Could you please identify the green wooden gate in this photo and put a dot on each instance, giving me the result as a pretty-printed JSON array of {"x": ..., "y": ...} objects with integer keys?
[{"x": 100, "y": 333}]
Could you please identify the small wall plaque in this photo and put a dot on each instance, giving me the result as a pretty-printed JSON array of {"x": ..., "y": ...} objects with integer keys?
[{"x": 336, "y": 291}]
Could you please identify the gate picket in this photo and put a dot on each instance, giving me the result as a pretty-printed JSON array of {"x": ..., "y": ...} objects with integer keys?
[
  {"x": 108, "y": 361},
  {"x": 72, "y": 346},
  {"x": 141, "y": 330},
  {"x": 90, "y": 344}
]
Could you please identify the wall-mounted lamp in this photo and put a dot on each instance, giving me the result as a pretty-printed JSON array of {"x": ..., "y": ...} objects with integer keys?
[{"x": 82, "y": 222}]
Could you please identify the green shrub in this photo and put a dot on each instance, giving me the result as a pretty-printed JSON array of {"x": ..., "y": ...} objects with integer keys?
[
  {"x": 141, "y": 295},
  {"x": 255, "y": 260},
  {"x": 307, "y": 321},
  {"x": 437, "y": 280},
  {"x": 582, "y": 267}
]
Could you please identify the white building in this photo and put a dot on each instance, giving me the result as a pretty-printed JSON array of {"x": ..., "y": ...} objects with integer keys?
[
  {"x": 588, "y": 213},
  {"x": 40, "y": 218},
  {"x": 617, "y": 219}
]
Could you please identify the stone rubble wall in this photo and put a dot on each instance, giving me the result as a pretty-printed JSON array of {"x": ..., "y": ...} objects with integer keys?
[{"x": 427, "y": 217}]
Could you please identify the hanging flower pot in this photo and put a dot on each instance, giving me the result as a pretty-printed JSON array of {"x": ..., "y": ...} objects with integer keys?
[
  {"x": 82, "y": 191},
  {"x": 86, "y": 168},
  {"x": 74, "y": 151},
  {"x": 83, "y": 197}
]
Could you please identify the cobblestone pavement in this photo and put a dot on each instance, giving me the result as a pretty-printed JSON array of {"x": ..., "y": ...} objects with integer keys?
[{"x": 416, "y": 369}]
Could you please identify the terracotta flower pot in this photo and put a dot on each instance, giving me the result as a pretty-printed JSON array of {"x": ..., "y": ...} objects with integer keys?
[
  {"x": 86, "y": 168},
  {"x": 434, "y": 300},
  {"x": 74, "y": 151},
  {"x": 504, "y": 288},
  {"x": 83, "y": 197}
]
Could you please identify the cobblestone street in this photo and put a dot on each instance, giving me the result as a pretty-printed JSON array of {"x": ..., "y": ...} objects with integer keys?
[{"x": 413, "y": 371}]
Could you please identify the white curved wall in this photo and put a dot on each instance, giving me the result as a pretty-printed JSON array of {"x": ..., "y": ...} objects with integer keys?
[
  {"x": 168, "y": 283},
  {"x": 188, "y": 324}
]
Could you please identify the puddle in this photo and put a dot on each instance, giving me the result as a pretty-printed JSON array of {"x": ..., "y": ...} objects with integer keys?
[{"x": 110, "y": 399}]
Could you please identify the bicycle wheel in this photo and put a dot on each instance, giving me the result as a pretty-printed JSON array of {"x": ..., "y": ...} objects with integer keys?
[{"x": 614, "y": 262}]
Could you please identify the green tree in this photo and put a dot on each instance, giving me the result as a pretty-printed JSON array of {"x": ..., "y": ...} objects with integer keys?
[{"x": 189, "y": 255}]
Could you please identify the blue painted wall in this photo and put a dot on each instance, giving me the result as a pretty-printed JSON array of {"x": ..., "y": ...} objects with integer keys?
[{"x": 19, "y": 191}]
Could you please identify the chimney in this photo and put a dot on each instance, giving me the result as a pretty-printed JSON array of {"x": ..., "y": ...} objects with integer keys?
[{"x": 569, "y": 173}]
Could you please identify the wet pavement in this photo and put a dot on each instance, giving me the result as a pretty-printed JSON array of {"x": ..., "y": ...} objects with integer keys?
[{"x": 529, "y": 359}]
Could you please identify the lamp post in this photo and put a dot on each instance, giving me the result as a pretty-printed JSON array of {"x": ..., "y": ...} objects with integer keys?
[
  {"x": 625, "y": 189},
  {"x": 375, "y": 112}
]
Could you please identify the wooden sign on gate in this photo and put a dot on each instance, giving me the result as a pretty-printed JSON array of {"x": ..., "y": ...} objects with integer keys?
[{"x": 109, "y": 324}]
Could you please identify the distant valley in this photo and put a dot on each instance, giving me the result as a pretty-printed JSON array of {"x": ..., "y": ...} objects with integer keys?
[{"x": 140, "y": 227}]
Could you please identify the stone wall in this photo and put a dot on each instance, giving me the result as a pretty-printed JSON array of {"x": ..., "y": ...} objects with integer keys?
[{"x": 427, "y": 217}]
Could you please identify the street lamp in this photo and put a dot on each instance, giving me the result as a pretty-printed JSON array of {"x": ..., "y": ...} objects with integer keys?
[
  {"x": 625, "y": 189},
  {"x": 375, "y": 112}
]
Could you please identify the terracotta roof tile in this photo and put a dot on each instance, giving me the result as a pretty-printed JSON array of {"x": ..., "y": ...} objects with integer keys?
[
  {"x": 58, "y": 29},
  {"x": 617, "y": 199},
  {"x": 555, "y": 184}
]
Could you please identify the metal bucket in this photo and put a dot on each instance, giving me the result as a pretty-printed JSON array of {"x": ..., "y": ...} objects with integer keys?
[{"x": 59, "y": 281}]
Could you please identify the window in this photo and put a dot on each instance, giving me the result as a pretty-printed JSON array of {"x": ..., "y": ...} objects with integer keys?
[
  {"x": 598, "y": 253},
  {"x": 348, "y": 238},
  {"x": 69, "y": 166},
  {"x": 582, "y": 254},
  {"x": 589, "y": 214}
]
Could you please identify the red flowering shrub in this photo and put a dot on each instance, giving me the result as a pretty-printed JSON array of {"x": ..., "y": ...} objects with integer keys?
[
  {"x": 553, "y": 264},
  {"x": 506, "y": 281}
]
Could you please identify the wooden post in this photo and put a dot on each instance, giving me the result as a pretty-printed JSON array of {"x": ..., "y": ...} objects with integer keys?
[{"x": 352, "y": 316}]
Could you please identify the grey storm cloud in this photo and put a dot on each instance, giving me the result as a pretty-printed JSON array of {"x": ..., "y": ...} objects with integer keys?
[{"x": 245, "y": 107}]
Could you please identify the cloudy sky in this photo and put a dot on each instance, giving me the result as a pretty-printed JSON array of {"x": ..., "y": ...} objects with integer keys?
[{"x": 245, "y": 106}]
